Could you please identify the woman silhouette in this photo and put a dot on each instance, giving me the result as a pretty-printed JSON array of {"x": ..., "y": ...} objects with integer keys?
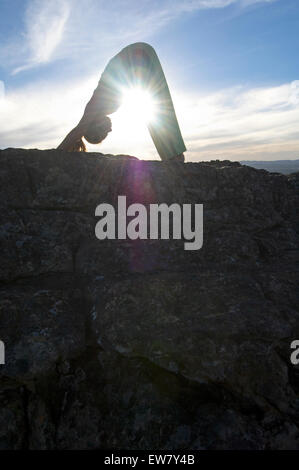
[{"x": 135, "y": 65}]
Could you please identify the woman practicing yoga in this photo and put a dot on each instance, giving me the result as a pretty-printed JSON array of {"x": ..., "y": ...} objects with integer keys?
[{"x": 137, "y": 66}]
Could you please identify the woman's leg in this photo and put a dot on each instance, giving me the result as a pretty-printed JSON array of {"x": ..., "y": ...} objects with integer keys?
[{"x": 164, "y": 128}]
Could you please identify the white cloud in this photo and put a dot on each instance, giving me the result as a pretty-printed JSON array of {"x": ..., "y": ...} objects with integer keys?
[
  {"x": 45, "y": 23},
  {"x": 2, "y": 91},
  {"x": 191, "y": 5},
  {"x": 236, "y": 123},
  {"x": 92, "y": 30},
  {"x": 239, "y": 123},
  {"x": 40, "y": 116},
  {"x": 294, "y": 97},
  {"x": 246, "y": 3}
]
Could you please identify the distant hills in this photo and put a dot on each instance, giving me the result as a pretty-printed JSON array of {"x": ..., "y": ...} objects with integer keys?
[{"x": 276, "y": 166}]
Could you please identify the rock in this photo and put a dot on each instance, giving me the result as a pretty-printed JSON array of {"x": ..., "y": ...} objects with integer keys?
[{"x": 140, "y": 344}]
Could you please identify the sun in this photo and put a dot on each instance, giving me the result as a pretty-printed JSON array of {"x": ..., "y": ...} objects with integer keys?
[
  {"x": 130, "y": 122},
  {"x": 138, "y": 105}
]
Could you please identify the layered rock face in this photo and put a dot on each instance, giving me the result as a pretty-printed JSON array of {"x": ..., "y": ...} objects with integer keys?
[{"x": 140, "y": 344}]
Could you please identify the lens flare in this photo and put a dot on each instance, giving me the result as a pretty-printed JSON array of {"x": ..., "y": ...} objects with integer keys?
[
  {"x": 138, "y": 104},
  {"x": 130, "y": 123}
]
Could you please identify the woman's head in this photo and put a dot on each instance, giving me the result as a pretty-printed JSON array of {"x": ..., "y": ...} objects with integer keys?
[{"x": 98, "y": 130}]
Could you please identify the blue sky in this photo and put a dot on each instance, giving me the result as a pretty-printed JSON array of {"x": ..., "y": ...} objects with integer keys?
[{"x": 232, "y": 67}]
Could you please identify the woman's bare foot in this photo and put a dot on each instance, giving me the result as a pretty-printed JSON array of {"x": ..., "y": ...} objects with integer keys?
[{"x": 178, "y": 158}]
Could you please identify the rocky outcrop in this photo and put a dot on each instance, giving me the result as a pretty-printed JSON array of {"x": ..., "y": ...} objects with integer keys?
[{"x": 141, "y": 344}]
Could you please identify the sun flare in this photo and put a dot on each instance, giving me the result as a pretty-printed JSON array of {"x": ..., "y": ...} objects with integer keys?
[
  {"x": 130, "y": 121},
  {"x": 138, "y": 105}
]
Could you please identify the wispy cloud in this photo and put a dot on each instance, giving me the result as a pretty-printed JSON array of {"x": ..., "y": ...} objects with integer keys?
[
  {"x": 235, "y": 123},
  {"x": 241, "y": 123},
  {"x": 2, "y": 91},
  {"x": 191, "y": 5},
  {"x": 60, "y": 29},
  {"x": 45, "y": 23},
  {"x": 39, "y": 116}
]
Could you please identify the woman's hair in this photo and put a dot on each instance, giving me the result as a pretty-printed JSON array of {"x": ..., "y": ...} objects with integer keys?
[
  {"x": 80, "y": 146},
  {"x": 75, "y": 146},
  {"x": 98, "y": 129}
]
